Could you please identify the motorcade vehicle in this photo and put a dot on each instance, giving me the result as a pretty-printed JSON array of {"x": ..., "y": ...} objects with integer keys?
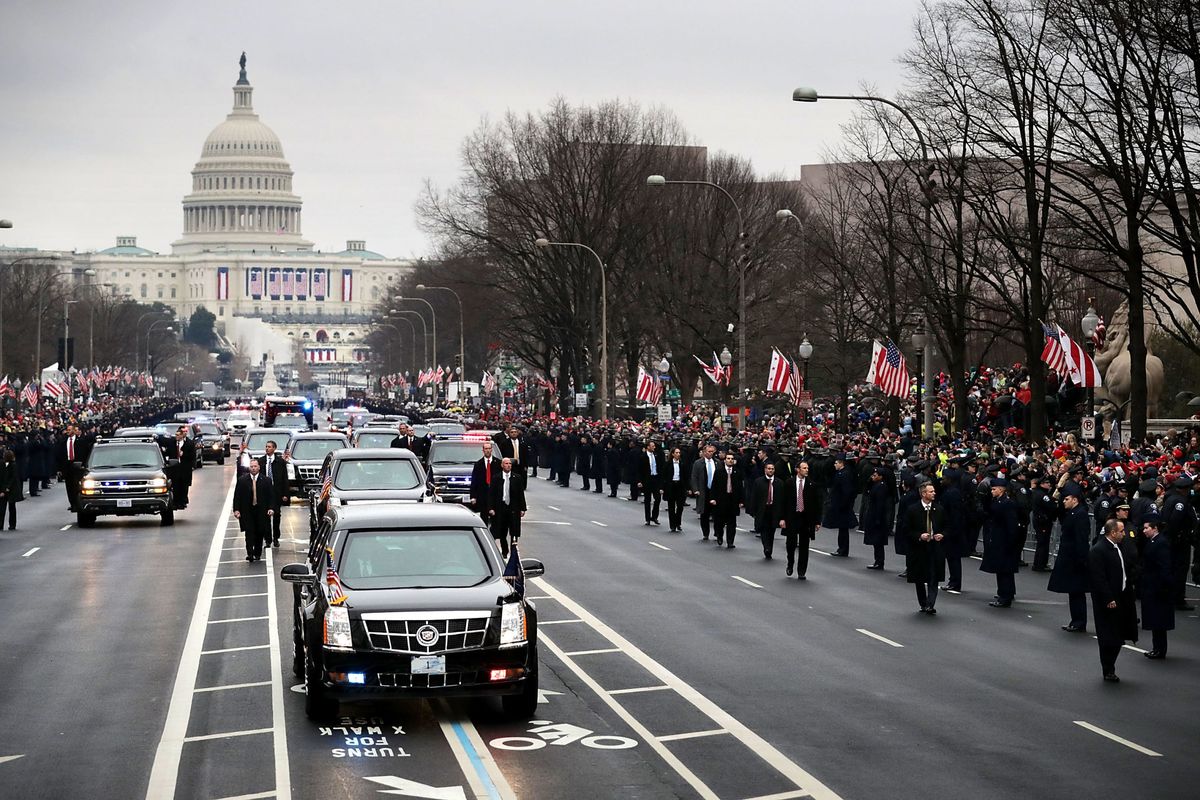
[
  {"x": 216, "y": 440},
  {"x": 372, "y": 436},
  {"x": 450, "y": 462},
  {"x": 339, "y": 419},
  {"x": 305, "y": 454},
  {"x": 389, "y": 419},
  {"x": 368, "y": 475},
  {"x": 392, "y": 605},
  {"x": 360, "y": 418},
  {"x": 296, "y": 422},
  {"x": 256, "y": 440},
  {"x": 125, "y": 476},
  {"x": 238, "y": 421},
  {"x": 273, "y": 406},
  {"x": 450, "y": 428}
]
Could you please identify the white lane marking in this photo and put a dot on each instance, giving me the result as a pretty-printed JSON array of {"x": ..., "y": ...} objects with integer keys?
[
  {"x": 164, "y": 774},
  {"x": 235, "y": 577},
  {"x": 1131, "y": 745},
  {"x": 233, "y": 686},
  {"x": 596, "y": 522},
  {"x": 233, "y": 561},
  {"x": 883, "y": 639},
  {"x": 557, "y": 621},
  {"x": 255, "y": 796},
  {"x": 1128, "y": 647},
  {"x": 283, "y": 770},
  {"x": 781, "y": 796},
  {"x": 30, "y": 552},
  {"x": 65, "y": 528},
  {"x": 675, "y": 737},
  {"x": 822, "y": 552},
  {"x": 659, "y": 546},
  {"x": 764, "y": 749},
  {"x": 538, "y": 597},
  {"x": 751, "y": 584},
  {"x": 234, "y": 649},
  {"x": 1039, "y": 602},
  {"x": 228, "y": 735},
  {"x": 543, "y": 522},
  {"x": 235, "y": 596},
  {"x": 235, "y": 619},
  {"x": 554, "y": 508},
  {"x": 640, "y": 689},
  {"x": 6, "y": 759},
  {"x": 977, "y": 558},
  {"x": 239, "y": 547},
  {"x": 601, "y": 651},
  {"x": 479, "y": 768}
]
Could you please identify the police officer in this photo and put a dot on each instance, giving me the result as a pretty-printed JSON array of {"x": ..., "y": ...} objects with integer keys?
[
  {"x": 840, "y": 512},
  {"x": 1179, "y": 525},
  {"x": 1001, "y": 543},
  {"x": 1070, "y": 575},
  {"x": 1044, "y": 513}
]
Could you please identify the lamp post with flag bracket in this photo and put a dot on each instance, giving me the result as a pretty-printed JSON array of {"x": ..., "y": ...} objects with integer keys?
[
  {"x": 806, "y": 351},
  {"x": 1089, "y": 323}
]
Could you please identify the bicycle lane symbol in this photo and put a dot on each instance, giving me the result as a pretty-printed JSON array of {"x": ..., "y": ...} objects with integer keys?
[{"x": 561, "y": 734}]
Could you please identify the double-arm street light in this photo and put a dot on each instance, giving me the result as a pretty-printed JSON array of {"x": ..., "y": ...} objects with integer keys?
[
  {"x": 37, "y": 369},
  {"x": 400, "y": 315},
  {"x": 806, "y": 94},
  {"x": 412, "y": 328},
  {"x": 462, "y": 362},
  {"x": 433, "y": 318},
  {"x": 149, "y": 330},
  {"x": 742, "y": 262},
  {"x": 546, "y": 243}
]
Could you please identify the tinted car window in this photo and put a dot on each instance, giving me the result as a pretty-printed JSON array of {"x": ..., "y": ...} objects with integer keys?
[
  {"x": 258, "y": 441},
  {"x": 291, "y": 421},
  {"x": 455, "y": 452},
  {"x": 210, "y": 429},
  {"x": 365, "y": 474},
  {"x": 375, "y": 438},
  {"x": 412, "y": 559},
  {"x": 314, "y": 449},
  {"x": 129, "y": 456},
  {"x": 445, "y": 428}
]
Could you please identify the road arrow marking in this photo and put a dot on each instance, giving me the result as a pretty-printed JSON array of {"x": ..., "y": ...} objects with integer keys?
[
  {"x": 406, "y": 788},
  {"x": 545, "y": 694},
  {"x": 4, "y": 759}
]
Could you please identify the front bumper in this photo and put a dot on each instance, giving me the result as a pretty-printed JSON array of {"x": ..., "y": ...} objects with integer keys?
[
  {"x": 141, "y": 504},
  {"x": 389, "y": 676}
]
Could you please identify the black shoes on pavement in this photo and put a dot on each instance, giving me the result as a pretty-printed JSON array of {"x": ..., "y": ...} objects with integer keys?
[
  {"x": 1111, "y": 677},
  {"x": 998, "y": 603},
  {"x": 1155, "y": 655},
  {"x": 875, "y": 566},
  {"x": 1074, "y": 628}
]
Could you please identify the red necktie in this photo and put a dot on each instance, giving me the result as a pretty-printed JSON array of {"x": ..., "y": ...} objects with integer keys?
[
  {"x": 489, "y": 472},
  {"x": 71, "y": 449},
  {"x": 770, "y": 491}
]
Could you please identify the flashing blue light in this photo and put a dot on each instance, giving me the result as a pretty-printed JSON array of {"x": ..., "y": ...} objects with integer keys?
[
  {"x": 356, "y": 677},
  {"x": 308, "y": 405}
]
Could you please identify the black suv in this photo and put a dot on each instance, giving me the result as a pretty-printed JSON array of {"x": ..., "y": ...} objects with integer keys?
[
  {"x": 419, "y": 608},
  {"x": 124, "y": 477},
  {"x": 450, "y": 464}
]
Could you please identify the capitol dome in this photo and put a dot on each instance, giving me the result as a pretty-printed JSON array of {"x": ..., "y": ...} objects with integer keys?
[{"x": 241, "y": 195}]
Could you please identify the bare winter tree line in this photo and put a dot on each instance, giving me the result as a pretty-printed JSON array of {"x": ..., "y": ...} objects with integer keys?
[{"x": 1062, "y": 142}]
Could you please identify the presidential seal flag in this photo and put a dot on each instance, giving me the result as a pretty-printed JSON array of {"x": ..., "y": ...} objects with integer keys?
[{"x": 514, "y": 573}]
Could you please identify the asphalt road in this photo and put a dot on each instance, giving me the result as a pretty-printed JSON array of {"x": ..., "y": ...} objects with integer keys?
[{"x": 154, "y": 662}]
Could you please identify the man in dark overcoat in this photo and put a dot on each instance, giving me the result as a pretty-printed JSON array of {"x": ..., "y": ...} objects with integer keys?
[
  {"x": 1070, "y": 573},
  {"x": 1158, "y": 604},
  {"x": 253, "y": 506},
  {"x": 801, "y": 518},
  {"x": 483, "y": 473},
  {"x": 875, "y": 517},
  {"x": 769, "y": 503},
  {"x": 839, "y": 514},
  {"x": 1113, "y": 606},
  {"x": 726, "y": 499},
  {"x": 1002, "y": 543},
  {"x": 925, "y": 559},
  {"x": 954, "y": 545},
  {"x": 650, "y": 480}
]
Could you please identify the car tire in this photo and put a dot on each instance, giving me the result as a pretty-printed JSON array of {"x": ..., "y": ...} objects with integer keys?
[
  {"x": 221, "y": 461},
  {"x": 168, "y": 517},
  {"x": 523, "y": 705},
  {"x": 85, "y": 519},
  {"x": 318, "y": 705}
]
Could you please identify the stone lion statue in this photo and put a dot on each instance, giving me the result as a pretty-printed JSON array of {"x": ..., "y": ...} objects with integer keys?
[{"x": 1113, "y": 361}]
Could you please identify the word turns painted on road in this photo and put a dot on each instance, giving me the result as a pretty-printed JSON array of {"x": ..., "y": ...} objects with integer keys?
[{"x": 365, "y": 737}]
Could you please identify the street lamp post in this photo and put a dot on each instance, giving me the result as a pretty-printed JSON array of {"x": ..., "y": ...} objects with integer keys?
[
  {"x": 433, "y": 318},
  {"x": 462, "y": 362},
  {"x": 806, "y": 351},
  {"x": 400, "y": 312},
  {"x": 37, "y": 367},
  {"x": 1089, "y": 323},
  {"x": 66, "y": 359},
  {"x": 545, "y": 243},
  {"x": 726, "y": 358},
  {"x": 412, "y": 328},
  {"x": 149, "y": 330},
  {"x": 920, "y": 341},
  {"x": 742, "y": 263}
]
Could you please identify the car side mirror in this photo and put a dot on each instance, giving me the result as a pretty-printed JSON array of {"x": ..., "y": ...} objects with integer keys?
[
  {"x": 533, "y": 567},
  {"x": 297, "y": 573}
]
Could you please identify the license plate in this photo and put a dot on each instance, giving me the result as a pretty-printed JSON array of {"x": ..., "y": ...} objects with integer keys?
[
  {"x": 124, "y": 504},
  {"x": 429, "y": 665}
]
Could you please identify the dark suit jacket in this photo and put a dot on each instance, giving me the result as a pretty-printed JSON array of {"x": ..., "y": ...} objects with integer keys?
[
  {"x": 727, "y": 501},
  {"x": 1118, "y": 625},
  {"x": 279, "y": 478},
  {"x": 243, "y": 495},
  {"x": 666, "y": 469},
  {"x": 83, "y": 448},
  {"x": 516, "y": 492},
  {"x": 407, "y": 442},
  {"x": 644, "y": 477},
  {"x": 506, "y": 451},
  {"x": 917, "y": 557},
  {"x": 767, "y": 516},
  {"x": 804, "y": 522},
  {"x": 479, "y": 487}
]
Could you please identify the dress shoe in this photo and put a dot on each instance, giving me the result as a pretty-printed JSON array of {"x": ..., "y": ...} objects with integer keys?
[
  {"x": 656, "y": 522},
  {"x": 836, "y": 554},
  {"x": 1154, "y": 655},
  {"x": 924, "y": 610},
  {"x": 647, "y": 523},
  {"x": 275, "y": 543},
  {"x": 801, "y": 578},
  {"x": 720, "y": 542},
  {"x": 1074, "y": 628},
  {"x": 249, "y": 559},
  {"x": 1112, "y": 678},
  {"x": 731, "y": 547},
  {"x": 790, "y": 570},
  {"x": 1000, "y": 604},
  {"x": 767, "y": 556},
  {"x": 875, "y": 566},
  {"x": 932, "y": 611}
]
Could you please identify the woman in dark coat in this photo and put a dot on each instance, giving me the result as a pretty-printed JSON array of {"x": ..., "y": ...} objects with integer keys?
[
  {"x": 839, "y": 513},
  {"x": 875, "y": 517},
  {"x": 1070, "y": 573},
  {"x": 1158, "y": 604},
  {"x": 1002, "y": 544}
]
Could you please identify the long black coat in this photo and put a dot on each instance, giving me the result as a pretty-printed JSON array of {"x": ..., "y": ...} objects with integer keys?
[
  {"x": 917, "y": 560},
  {"x": 1002, "y": 538},
  {"x": 951, "y": 501},
  {"x": 10, "y": 482},
  {"x": 1070, "y": 572},
  {"x": 1158, "y": 605},
  {"x": 727, "y": 502},
  {"x": 906, "y": 502},
  {"x": 1113, "y": 625},
  {"x": 875, "y": 515},
  {"x": 767, "y": 515},
  {"x": 839, "y": 513},
  {"x": 243, "y": 496}
]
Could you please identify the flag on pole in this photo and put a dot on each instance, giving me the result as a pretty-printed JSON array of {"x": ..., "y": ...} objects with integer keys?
[
  {"x": 336, "y": 595},
  {"x": 30, "y": 393},
  {"x": 649, "y": 390},
  {"x": 1082, "y": 368},
  {"x": 6, "y": 389},
  {"x": 1099, "y": 333},
  {"x": 514, "y": 573},
  {"x": 889, "y": 370},
  {"x": 715, "y": 372},
  {"x": 1052, "y": 353},
  {"x": 779, "y": 373},
  {"x": 489, "y": 382},
  {"x": 795, "y": 384}
]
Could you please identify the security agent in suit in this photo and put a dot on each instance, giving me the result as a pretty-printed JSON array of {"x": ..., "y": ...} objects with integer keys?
[
  {"x": 485, "y": 471},
  {"x": 273, "y": 467},
  {"x": 72, "y": 453},
  {"x": 1158, "y": 606},
  {"x": 182, "y": 449},
  {"x": 925, "y": 558},
  {"x": 406, "y": 440},
  {"x": 675, "y": 478},
  {"x": 704, "y": 471},
  {"x": 770, "y": 500},
  {"x": 506, "y": 504},
  {"x": 1113, "y": 606},
  {"x": 253, "y": 506},
  {"x": 839, "y": 514},
  {"x": 726, "y": 498},
  {"x": 801, "y": 518},
  {"x": 650, "y": 477},
  {"x": 513, "y": 446}
]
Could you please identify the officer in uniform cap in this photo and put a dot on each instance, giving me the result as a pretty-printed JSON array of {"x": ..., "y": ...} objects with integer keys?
[
  {"x": 1001, "y": 543},
  {"x": 1179, "y": 525}
]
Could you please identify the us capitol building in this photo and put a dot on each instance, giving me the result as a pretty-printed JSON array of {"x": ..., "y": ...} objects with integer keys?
[{"x": 242, "y": 255}]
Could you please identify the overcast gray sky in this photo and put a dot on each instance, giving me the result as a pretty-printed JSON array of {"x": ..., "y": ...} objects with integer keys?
[{"x": 104, "y": 105}]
